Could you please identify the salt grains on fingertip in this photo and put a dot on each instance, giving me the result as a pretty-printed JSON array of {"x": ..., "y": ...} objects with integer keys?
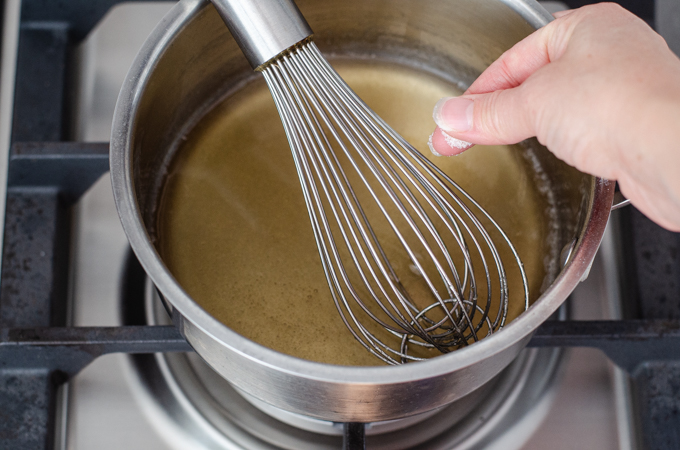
[
  {"x": 450, "y": 141},
  {"x": 456, "y": 143}
]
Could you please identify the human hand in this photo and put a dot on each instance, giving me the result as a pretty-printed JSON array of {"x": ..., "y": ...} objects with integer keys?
[{"x": 599, "y": 88}]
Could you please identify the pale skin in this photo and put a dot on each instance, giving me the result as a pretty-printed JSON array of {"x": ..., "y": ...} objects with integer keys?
[{"x": 600, "y": 89}]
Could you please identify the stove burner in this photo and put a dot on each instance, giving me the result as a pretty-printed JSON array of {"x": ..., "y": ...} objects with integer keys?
[{"x": 181, "y": 390}]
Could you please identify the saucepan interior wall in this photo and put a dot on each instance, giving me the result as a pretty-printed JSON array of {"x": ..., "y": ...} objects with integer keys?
[{"x": 455, "y": 40}]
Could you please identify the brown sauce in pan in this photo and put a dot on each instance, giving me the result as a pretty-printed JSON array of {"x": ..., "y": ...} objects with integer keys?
[{"x": 235, "y": 233}]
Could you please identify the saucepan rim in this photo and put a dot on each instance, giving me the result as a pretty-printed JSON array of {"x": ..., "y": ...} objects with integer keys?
[{"x": 600, "y": 200}]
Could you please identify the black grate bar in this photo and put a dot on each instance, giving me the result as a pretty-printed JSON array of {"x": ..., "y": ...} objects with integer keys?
[
  {"x": 628, "y": 343},
  {"x": 68, "y": 167},
  {"x": 70, "y": 349},
  {"x": 354, "y": 436}
]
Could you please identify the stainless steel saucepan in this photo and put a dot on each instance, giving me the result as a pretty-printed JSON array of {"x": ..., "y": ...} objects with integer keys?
[{"x": 190, "y": 60}]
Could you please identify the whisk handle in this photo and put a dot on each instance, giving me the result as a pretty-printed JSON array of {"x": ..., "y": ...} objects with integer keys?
[{"x": 263, "y": 28}]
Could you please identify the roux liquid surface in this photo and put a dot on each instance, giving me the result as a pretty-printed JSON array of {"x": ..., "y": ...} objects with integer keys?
[{"x": 235, "y": 233}]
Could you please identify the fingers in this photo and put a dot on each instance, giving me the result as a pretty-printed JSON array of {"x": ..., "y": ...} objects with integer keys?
[
  {"x": 559, "y": 14},
  {"x": 493, "y": 111},
  {"x": 443, "y": 144},
  {"x": 524, "y": 58},
  {"x": 500, "y": 117},
  {"x": 597, "y": 87}
]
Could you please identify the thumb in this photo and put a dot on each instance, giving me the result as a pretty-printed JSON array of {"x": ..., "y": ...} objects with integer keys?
[{"x": 494, "y": 118}]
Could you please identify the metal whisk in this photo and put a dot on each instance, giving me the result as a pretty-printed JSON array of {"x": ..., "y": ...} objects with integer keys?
[{"x": 401, "y": 244}]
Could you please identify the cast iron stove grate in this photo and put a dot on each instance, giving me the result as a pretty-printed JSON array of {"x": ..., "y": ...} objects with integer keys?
[{"x": 47, "y": 174}]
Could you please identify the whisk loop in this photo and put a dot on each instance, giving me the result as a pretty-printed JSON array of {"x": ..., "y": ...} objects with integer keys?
[{"x": 398, "y": 239}]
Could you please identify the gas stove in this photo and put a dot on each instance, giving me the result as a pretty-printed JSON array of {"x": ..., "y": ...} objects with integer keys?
[{"x": 89, "y": 359}]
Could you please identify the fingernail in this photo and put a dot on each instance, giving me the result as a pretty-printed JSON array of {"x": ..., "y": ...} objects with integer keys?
[
  {"x": 456, "y": 145},
  {"x": 429, "y": 144},
  {"x": 454, "y": 114}
]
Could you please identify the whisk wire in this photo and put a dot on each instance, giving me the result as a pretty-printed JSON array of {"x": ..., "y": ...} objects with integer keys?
[
  {"x": 335, "y": 282},
  {"x": 349, "y": 96},
  {"x": 424, "y": 212},
  {"x": 410, "y": 199},
  {"x": 304, "y": 172},
  {"x": 347, "y": 120},
  {"x": 325, "y": 119}
]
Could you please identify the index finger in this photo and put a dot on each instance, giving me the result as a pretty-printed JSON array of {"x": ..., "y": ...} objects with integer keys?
[{"x": 522, "y": 60}]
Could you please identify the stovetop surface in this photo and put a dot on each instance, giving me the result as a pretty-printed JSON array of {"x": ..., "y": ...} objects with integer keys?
[
  {"x": 62, "y": 264},
  {"x": 104, "y": 407}
]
